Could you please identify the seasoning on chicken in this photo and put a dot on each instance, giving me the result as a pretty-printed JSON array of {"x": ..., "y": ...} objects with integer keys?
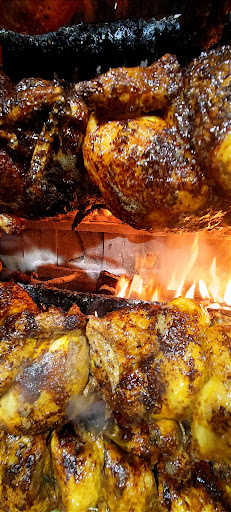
[
  {"x": 44, "y": 363},
  {"x": 92, "y": 472},
  {"x": 146, "y": 176},
  {"x": 24, "y": 475},
  {"x": 13, "y": 300},
  {"x": 42, "y": 124},
  {"x": 164, "y": 170},
  {"x": 129, "y": 483},
  {"x": 164, "y": 374},
  {"x": 201, "y": 491},
  {"x": 133, "y": 90},
  {"x": 211, "y": 425},
  {"x": 148, "y": 361},
  {"x": 10, "y": 224},
  {"x": 207, "y": 90},
  {"x": 156, "y": 147},
  {"x": 78, "y": 469}
]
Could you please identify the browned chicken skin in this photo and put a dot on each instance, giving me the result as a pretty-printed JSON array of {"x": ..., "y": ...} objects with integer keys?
[
  {"x": 78, "y": 463},
  {"x": 164, "y": 374},
  {"x": 130, "y": 91},
  {"x": 144, "y": 173},
  {"x": 25, "y": 466},
  {"x": 148, "y": 362},
  {"x": 92, "y": 472},
  {"x": 157, "y": 145},
  {"x": 44, "y": 362},
  {"x": 42, "y": 124},
  {"x": 170, "y": 169},
  {"x": 207, "y": 89}
]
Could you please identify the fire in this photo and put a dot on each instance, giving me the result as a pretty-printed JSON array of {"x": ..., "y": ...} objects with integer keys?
[
  {"x": 227, "y": 295},
  {"x": 208, "y": 285}
]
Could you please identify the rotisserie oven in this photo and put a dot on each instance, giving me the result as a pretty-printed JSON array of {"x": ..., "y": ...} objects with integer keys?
[{"x": 115, "y": 293}]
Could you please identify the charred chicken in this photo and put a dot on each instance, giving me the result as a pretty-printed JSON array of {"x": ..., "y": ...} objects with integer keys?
[{"x": 42, "y": 125}]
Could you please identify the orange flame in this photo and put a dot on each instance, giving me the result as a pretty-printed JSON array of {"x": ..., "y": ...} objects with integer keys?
[{"x": 213, "y": 289}]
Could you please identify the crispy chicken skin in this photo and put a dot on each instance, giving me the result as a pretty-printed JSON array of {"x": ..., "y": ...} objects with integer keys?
[
  {"x": 10, "y": 224},
  {"x": 148, "y": 361},
  {"x": 128, "y": 483},
  {"x": 18, "y": 340},
  {"x": 78, "y": 469},
  {"x": 58, "y": 369},
  {"x": 202, "y": 491},
  {"x": 156, "y": 147},
  {"x": 171, "y": 169},
  {"x": 133, "y": 90},
  {"x": 163, "y": 372},
  {"x": 24, "y": 466},
  {"x": 13, "y": 300},
  {"x": 44, "y": 362},
  {"x": 42, "y": 124},
  {"x": 92, "y": 472},
  {"x": 211, "y": 425},
  {"x": 207, "y": 89},
  {"x": 145, "y": 174}
]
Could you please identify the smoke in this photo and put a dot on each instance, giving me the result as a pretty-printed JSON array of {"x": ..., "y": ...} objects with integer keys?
[{"x": 88, "y": 412}]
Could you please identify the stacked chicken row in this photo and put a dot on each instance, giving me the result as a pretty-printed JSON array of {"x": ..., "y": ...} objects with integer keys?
[
  {"x": 130, "y": 412},
  {"x": 153, "y": 143}
]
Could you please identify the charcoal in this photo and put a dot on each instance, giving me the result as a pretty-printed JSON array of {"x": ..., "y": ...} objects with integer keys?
[
  {"x": 82, "y": 51},
  {"x": 89, "y": 303}
]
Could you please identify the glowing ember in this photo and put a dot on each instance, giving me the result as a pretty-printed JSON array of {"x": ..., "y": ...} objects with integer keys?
[{"x": 209, "y": 282}]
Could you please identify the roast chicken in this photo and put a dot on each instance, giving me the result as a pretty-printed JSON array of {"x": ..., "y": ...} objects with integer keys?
[
  {"x": 44, "y": 363},
  {"x": 170, "y": 168},
  {"x": 25, "y": 475},
  {"x": 158, "y": 375},
  {"x": 42, "y": 125},
  {"x": 152, "y": 143},
  {"x": 166, "y": 370},
  {"x": 149, "y": 362}
]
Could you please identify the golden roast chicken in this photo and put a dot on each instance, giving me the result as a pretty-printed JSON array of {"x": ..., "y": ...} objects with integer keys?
[
  {"x": 152, "y": 142},
  {"x": 128, "y": 412}
]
